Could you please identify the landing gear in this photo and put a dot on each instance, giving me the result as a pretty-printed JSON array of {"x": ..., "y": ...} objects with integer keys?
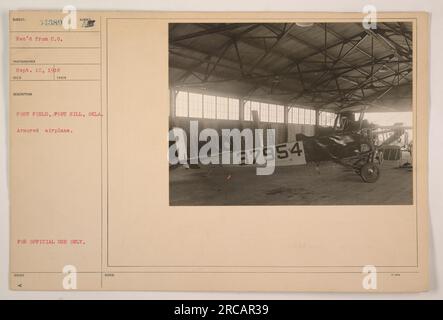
[
  {"x": 370, "y": 172},
  {"x": 363, "y": 164}
]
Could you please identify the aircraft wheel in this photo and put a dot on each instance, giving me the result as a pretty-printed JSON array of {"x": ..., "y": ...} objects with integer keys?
[{"x": 370, "y": 172}]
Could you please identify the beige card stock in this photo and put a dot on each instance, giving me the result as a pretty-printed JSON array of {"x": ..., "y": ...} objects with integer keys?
[{"x": 89, "y": 176}]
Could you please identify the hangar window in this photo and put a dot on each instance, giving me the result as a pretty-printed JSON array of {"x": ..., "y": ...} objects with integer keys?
[
  {"x": 255, "y": 106},
  {"x": 209, "y": 107},
  {"x": 326, "y": 118},
  {"x": 276, "y": 113},
  {"x": 293, "y": 115},
  {"x": 195, "y": 105},
  {"x": 266, "y": 112},
  {"x": 252, "y": 106},
  {"x": 272, "y": 113},
  {"x": 249, "y": 107},
  {"x": 247, "y": 110},
  {"x": 301, "y": 116},
  {"x": 222, "y": 108},
  {"x": 322, "y": 118},
  {"x": 389, "y": 118},
  {"x": 331, "y": 119},
  {"x": 308, "y": 117},
  {"x": 312, "y": 116},
  {"x": 280, "y": 113},
  {"x": 233, "y": 109},
  {"x": 181, "y": 104}
]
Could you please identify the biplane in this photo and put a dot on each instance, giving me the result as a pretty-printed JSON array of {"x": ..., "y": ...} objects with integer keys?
[{"x": 351, "y": 143}]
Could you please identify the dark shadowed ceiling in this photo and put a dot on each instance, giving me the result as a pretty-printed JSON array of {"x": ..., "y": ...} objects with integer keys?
[{"x": 326, "y": 66}]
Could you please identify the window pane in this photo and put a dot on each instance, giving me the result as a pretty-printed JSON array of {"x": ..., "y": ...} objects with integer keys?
[
  {"x": 222, "y": 108},
  {"x": 301, "y": 116},
  {"x": 255, "y": 106},
  {"x": 295, "y": 112},
  {"x": 307, "y": 116},
  {"x": 291, "y": 115},
  {"x": 233, "y": 109},
  {"x": 195, "y": 105},
  {"x": 280, "y": 113},
  {"x": 264, "y": 115},
  {"x": 181, "y": 104},
  {"x": 272, "y": 113},
  {"x": 332, "y": 119},
  {"x": 247, "y": 111},
  {"x": 312, "y": 116},
  {"x": 209, "y": 106}
]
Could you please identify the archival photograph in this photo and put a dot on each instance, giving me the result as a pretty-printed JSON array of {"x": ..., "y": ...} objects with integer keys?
[{"x": 293, "y": 113}]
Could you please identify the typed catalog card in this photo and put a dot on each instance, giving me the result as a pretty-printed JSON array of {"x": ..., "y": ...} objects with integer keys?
[{"x": 272, "y": 151}]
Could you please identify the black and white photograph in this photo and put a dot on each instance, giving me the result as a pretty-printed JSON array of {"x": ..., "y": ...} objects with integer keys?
[{"x": 291, "y": 114}]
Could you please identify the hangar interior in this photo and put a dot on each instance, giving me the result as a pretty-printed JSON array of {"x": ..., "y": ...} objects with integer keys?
[{"x": 296, "y": 77}]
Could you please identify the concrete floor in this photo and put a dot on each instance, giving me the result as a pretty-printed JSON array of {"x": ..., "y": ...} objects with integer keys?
[{"x": 328, "y": 184}]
